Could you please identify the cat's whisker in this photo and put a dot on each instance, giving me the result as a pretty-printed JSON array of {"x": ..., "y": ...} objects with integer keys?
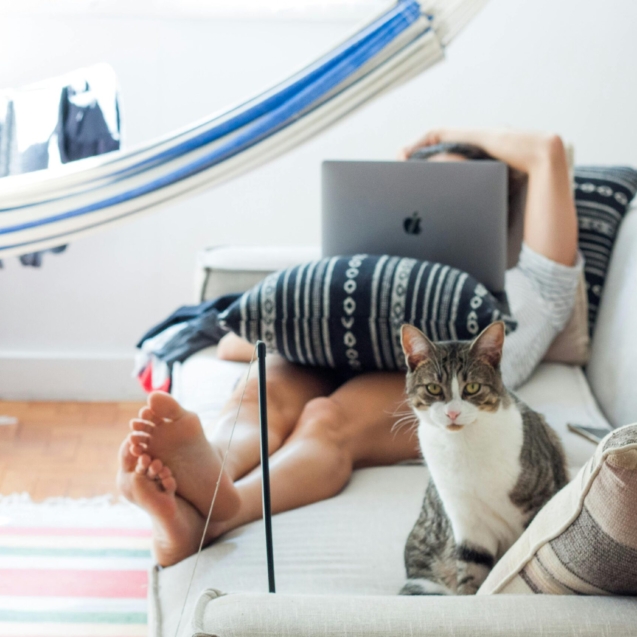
[
  {"x": 405, "y": 414},
  {"x": 403, "y": 407},
  {"x": 406, "y": 421},
  {"x": 405, "y": 417},
  {"x": 402, "y": 414}
]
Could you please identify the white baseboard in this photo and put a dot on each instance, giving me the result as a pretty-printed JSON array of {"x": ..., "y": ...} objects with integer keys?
[{"x": 32, "y": 376}]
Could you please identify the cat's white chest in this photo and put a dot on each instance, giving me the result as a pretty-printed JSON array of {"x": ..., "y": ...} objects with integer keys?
[{"x": 475, "y": 470}]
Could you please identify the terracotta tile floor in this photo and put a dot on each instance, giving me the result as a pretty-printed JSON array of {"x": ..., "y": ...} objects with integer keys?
[{"x": 62, "y": 449}]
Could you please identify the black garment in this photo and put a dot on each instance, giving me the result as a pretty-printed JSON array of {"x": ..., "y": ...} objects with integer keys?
[
  {"x": 34, "y": 259},
  {"x": 202, "y": 329},
  {"x": 82, "y": 132},
  {"x": 82, "y": 129}
]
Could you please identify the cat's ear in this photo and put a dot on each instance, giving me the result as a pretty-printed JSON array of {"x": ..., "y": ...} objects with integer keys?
[
  {"x": 416, "y": 345},
  {"x": 487, "y": 346}
]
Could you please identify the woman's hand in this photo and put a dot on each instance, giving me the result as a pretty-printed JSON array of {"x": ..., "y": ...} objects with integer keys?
[
  {"x": 519, "y": 149},
  {"x": 430, "y": 139}
]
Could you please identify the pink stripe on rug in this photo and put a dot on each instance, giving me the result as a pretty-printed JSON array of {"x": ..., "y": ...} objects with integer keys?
[
  {"x": 44, "y": 531},
  {"x": 48, "y": 631},
  {"x": 74, "y": 583}
]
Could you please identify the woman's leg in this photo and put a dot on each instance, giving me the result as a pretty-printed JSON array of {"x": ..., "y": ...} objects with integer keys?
[
  {"x": 356, "y": 426},
  {"x": 288, "y": 388},
  {"x": 353, "y": 427}
]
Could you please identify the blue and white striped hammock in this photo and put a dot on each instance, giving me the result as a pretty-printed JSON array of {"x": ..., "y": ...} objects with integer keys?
[{"x": 44, "y": 209}]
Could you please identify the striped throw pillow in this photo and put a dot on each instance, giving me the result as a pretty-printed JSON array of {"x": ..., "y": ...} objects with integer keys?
[
  {"x": 584, "y": 541},
  {"x": 346, "y": 312},
  {"x": 602, "y": 196}
]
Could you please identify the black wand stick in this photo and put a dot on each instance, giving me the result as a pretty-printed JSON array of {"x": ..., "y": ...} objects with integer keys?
[{"x": 265, "y": 465}]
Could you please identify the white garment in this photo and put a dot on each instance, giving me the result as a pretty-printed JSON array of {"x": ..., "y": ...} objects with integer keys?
[{"x": 541, "y": 296}]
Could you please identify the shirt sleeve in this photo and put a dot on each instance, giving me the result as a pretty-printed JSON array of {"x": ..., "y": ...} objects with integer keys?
[{"x": 541, "y": 295}]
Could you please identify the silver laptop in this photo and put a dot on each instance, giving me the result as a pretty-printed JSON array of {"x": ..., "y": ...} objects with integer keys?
[{"x": 449, "y": 212}]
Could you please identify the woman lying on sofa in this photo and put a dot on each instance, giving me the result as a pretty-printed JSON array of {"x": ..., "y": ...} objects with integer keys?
[{"x": 320, "y": 428}]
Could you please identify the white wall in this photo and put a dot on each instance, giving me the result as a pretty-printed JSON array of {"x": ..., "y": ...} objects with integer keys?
[{"x": 67, "y": 330}]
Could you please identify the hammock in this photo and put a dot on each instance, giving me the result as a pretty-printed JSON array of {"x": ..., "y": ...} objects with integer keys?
[{"x": 44, "y": 209}]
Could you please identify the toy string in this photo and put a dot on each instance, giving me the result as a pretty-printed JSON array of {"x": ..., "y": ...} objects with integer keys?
[{"x": 214, "y": 496}]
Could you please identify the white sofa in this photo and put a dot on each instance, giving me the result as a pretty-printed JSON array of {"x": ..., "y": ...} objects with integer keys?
[{"x": 339, "y": 563}]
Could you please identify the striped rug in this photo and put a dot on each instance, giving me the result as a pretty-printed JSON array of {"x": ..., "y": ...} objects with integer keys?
[{"x": 73, "y": 568}]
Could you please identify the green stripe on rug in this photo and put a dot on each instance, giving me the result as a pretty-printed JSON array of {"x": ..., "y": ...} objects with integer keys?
[
  {"x": 25, "y": 551},
  {"x": 102, "y": 617}
]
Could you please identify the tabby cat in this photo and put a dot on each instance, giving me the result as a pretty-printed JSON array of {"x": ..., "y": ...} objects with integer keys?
[{"x": 493, "y": 462}]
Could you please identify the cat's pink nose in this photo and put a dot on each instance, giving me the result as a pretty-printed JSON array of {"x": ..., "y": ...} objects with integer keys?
[{"x": 453, "y": 414}]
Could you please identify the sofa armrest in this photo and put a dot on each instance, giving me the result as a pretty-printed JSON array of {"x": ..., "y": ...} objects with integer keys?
[
  {"x": 611, "y": 370},
  {"x": 229, "y": 269},
  {"x": 258, "y": 614}
]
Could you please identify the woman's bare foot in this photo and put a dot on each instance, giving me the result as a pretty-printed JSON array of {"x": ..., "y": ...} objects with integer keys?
[
  {"x": 148, "y": 483},
  {"x": 166, "y": 431}
]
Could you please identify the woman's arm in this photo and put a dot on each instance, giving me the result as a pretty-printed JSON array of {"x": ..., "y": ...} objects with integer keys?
[{"x": 550, "y": 220}]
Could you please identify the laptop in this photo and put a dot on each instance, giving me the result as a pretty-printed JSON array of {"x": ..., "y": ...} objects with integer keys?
[{"x": 449, "y": 212}]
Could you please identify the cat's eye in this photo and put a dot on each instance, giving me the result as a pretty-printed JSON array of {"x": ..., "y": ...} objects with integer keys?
[
  {"x": 472, "y": 388},
  {"x": 434, "y": 389}
]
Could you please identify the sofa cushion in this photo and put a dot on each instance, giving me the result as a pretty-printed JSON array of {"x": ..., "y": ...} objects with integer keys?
[
  {"x": 347, "y": 553},
  {"x": 602, "y": 197},
  {"x": 612, "y": 371},
  {"x": 562, "y": 395},
  {"x": 346, "y": 312},
  {"x": 231, "y": 269},
  {"x": 350, "y": 544},
  {"x": 584, "y": 541},
  {"x": 572, "y": 344}
]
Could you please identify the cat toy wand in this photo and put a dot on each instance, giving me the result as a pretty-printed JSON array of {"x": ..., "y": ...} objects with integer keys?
[{"x": 265, "y": 465}]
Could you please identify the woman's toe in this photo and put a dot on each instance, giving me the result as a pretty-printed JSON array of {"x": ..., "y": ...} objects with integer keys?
[
  {"x": 143, "y": 462},
  {"x": 165, "y": 406},
  {"x": 146, "y": 413},
  {"x": 139, "y": 438},
  {"x": 137, "y": 424},
  {"x": 137, "y": 449},
  {"x": 154, "y": 468},
  {"x": 169, "y": 484},
  {"x": 127, "y": 460}
]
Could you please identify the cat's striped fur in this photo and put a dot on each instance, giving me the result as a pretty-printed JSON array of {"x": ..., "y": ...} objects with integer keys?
[{"x": 493, "y": 462}]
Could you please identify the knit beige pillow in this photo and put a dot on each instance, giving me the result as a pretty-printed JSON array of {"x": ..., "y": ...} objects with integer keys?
[
  {"x": 572, "y": 344},
  {"x": 584, "y": 541}
]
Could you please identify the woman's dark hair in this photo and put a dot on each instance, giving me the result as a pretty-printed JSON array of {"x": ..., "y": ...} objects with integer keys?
[
  {"x": 466, "y": 150},
  {"x": 516, "y": 178}
]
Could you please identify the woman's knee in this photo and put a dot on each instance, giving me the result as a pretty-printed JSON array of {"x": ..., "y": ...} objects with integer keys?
[
  {"x": 281, "y": 418},
  {"x": 323, "y": 425},
  {"x": 325, "y": 420}
]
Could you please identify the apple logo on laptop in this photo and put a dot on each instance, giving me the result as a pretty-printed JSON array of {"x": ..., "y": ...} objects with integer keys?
[{"x": 412, "y": 224}]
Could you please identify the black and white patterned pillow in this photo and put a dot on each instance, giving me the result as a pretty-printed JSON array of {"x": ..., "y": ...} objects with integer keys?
[
  {"x": 346, "y": 312},
  {"x": 602, "y": 196}
]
